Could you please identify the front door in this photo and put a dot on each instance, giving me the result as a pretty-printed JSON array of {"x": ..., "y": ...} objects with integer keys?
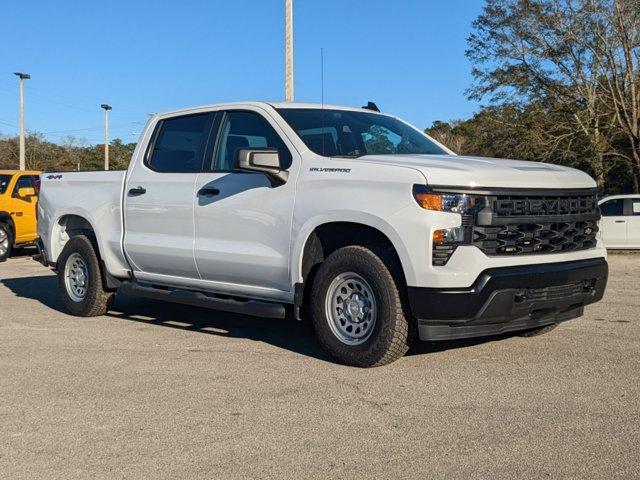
[
  {"x": 23, "y": 210},
  {"x": 614, "y": 223},
  {"x": 633, "y": 223},
  {"x": 159, "y": 199},
  {"x": 242, "y": 222}
]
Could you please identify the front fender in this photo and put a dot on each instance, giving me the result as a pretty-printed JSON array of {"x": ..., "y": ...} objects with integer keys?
[{"x": 351, "y": 216}]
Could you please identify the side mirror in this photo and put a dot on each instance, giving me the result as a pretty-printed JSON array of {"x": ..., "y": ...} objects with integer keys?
[
  {"x": 26, "y": 192},
  {"x": 265, "y": 160}
]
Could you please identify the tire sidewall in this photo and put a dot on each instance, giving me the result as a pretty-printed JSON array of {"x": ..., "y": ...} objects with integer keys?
[
  {"x": 380, "y": 283},
  {"x": 82, "y": 246},
  {"x": 9, "y": 231}
]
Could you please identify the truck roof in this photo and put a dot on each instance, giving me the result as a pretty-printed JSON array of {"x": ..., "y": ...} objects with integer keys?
[
  {"x": 25, "y": 172},
  {"x": 275, "y": 105}
]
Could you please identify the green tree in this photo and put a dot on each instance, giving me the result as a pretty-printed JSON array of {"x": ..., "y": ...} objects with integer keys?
[{"x": 576, "y": 61}]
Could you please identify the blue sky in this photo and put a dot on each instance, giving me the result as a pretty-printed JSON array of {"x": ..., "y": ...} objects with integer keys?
[{"x": 149, "y": 56}]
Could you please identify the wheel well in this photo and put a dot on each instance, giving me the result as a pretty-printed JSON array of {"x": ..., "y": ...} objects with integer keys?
[
  {"x": 70, "y": 226},
  {"x": 74, "y": 225},
  {"x": 328, "y": 238},
  {"x": 6, "y": 218}
]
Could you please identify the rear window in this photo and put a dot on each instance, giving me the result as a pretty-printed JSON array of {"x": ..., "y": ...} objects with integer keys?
[
  {"x": 180, "y": 144},
  {"x": 4, "y": 183}
]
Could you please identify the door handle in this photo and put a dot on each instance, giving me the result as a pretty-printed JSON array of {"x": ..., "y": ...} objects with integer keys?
[
  {"x": 208, "y": 192},
  {"x": 621, "y": 221},
  {"x": 134, "y": 192}
]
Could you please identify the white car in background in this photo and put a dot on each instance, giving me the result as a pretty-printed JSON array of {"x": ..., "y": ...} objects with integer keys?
[{"x": 621, "y": 221}]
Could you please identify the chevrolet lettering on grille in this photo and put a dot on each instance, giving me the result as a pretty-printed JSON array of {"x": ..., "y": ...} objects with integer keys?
[{"x": 544, "y": 206}]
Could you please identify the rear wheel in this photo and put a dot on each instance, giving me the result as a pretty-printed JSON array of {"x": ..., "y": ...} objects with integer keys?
[
  {"x": 6, "y": 241},
  {"x": 80, "y": 280},
  {"x": 358, "y": 312}
]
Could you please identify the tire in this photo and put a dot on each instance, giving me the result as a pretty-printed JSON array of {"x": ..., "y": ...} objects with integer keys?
[
  {"x": 534, "y": 332},
  {"x": 80, "y": 280},
  {"x": 6, "y": 241},
  {"x": 380, "y": 335}
]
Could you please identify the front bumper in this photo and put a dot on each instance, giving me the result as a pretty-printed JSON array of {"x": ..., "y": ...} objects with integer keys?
[{"x": 509, "y": 299}]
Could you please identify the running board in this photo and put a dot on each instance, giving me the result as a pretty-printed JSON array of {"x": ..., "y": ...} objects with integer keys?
[{"x": 255, "y": 308}]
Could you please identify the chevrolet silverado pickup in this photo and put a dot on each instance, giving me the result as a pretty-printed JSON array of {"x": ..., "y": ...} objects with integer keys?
[{"x": 346, "y": 216}]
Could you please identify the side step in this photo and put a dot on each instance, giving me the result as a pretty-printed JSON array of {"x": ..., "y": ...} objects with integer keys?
[{"x": 255, "y": 308}]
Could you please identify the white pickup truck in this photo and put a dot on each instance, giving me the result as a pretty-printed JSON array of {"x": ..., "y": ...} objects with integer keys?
[{"x": 348, "y": 216}]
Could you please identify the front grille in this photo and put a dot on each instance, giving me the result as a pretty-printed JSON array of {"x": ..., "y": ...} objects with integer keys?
[
  {"x": 528, "y": 238},
  {"x": 543, "y": 205},
  {"x": 517, "y": 222}
]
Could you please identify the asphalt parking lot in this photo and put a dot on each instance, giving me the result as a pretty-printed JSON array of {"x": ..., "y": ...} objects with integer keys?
[{"x": 154, "y": 390}]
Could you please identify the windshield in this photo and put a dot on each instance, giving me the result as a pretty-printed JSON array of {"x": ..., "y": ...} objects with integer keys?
[
  {"x": 344, "y": 133},
  {"x": 4, "y": 183}
]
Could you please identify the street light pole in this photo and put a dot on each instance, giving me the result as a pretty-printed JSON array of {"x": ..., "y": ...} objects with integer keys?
[
  {"x": 106, "y": 134},
  {"x": 22, "y": 77},
  {"x": 288, "y": 50}
]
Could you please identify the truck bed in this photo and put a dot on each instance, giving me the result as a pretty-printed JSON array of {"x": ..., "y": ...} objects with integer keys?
[{"x": 94, "y": 196}]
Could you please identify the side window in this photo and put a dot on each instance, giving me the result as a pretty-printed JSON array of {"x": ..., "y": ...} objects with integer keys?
[
  {"x": 635, "y": 206},
  {"x": 612, "y": 208},
  {"x": 247, "y": 130},
  {"x": 25, "y": 181},
  {"x": 179, "y": 144}
]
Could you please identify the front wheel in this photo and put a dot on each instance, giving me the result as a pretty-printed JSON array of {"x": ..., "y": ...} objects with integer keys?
[
  {"x": 357, "y": 309},
  {"x": 80, "y": 280},
  {"x": 6, "y": 241}
]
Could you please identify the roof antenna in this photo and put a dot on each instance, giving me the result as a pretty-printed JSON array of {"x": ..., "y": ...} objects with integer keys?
[
  {"x": 371, "y": 106},
  {"x": 322, "y": 76}
]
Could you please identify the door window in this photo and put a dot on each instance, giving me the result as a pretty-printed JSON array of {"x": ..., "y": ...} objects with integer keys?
[
  {"x": 25, "y": 181},
  {"x": 635, "y": 207},
  {"x": 612, "y": 208},
  {"x": 242, "y": 129},
  {"x": 180, "y": 143}
]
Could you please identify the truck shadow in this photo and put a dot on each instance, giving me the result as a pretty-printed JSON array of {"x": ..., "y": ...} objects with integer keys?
[{"x": 288, "y": 334}]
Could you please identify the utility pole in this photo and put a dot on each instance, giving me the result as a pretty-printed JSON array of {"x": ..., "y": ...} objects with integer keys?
[
  {"x": 288, "y": 50},
  {"x": 106, "y": 134},
  {"x": 22, "y": 77}
]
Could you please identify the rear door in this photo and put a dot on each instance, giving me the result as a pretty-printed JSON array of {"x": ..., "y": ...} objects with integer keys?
[
  {"x": 614, "y": 223},
  {"x": 159, "y": 198},
  {"x": 633, "y": 222},
  {"x": 242, "y": 222}
]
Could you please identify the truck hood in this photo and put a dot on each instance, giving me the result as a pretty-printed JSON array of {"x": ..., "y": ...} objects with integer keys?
[{"x": 460, "y": 171}]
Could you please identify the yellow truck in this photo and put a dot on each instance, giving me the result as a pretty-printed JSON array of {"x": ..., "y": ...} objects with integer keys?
[{"x": 18, "y": 198}]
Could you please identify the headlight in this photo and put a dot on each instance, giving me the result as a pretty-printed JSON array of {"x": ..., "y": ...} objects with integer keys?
[
  {"x": 445, "y": 241},
  {"x": 444, "y": 202}
]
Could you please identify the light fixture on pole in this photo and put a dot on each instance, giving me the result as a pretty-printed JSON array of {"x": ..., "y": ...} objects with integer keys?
[
  {"x": 288, "y": 50},
  {"x": 106, "y": 134},
  {"x": 22, "y": 77}
]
